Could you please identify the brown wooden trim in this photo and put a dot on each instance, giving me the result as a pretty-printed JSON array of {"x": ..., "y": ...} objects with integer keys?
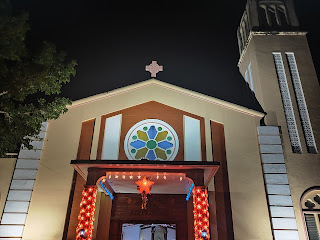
[
  {"x": 221, "y": 182},
  {"x": 73, "y": 209},
  {"x": 172, "y": 116},
  {"x": 103, "y": 226},
  {"x": 202, "y": 134},
  {"x": 66, "y": 224},
  {"x": 213, "y": 215},
  {"x": 190, "y": 220},
  {"x": 203, "y": 140},
  {"x": 85, "y": 142},
  {"x": 101, "y": 134}
]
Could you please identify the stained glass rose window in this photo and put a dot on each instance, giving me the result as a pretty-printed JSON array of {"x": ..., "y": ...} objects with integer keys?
[{"x": 151, "y": 139}]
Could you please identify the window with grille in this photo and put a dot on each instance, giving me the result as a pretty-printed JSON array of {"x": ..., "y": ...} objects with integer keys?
[
  {"x": 310, "y": 204},
  {"x": 287, "y": 104},
  {"x": 302, "y": 105}
]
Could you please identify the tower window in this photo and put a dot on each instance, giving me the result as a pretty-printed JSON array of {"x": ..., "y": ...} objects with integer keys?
[
  {"x": 273, "y": 13},
  {"x": 283, "y": 15},
  {"x": 310, "y": 205},
  {"x": 246, "y": 77},
  {"x": 287, "y": 104},
  {"x": 250, "y": 77},
  {"x": 302, "y": 105}
]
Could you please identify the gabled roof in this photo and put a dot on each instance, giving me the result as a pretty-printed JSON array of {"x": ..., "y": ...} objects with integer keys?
[{"x": 155, "y": 82}]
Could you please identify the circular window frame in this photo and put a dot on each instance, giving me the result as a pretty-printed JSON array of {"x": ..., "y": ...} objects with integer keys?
[{"x": 150, "y": 122}]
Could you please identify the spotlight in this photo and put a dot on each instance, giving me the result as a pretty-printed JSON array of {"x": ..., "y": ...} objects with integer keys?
[
  {"x": 83, "y": 234},
  {"x": 204, "y": 234}
]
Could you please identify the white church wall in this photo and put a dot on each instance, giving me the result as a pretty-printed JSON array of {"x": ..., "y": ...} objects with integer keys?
[
  {"x": 55, "y": 173},
  {"x": 302, "y": 169},
  {"x": 6, "y": 170},
  {"x": 21, "y": 186}
]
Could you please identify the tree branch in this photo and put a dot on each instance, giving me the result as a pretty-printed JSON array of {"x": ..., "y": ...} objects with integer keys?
[
  {"x": 6, "y": 113},
  {"x": 3, "y": 93}
]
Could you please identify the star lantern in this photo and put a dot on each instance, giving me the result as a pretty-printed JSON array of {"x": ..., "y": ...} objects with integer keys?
[{"x": 144, "y": 187}]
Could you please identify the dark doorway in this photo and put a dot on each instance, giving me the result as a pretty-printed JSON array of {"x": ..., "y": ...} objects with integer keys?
[
  {"x": 154, "y": 231},
  {"x": 163, "y": 211}
]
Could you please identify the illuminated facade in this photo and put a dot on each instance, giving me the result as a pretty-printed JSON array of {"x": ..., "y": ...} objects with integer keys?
[{"x": 216, "y": 170}]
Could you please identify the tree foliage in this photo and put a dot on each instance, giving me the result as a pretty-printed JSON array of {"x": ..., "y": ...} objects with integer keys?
[{"x": 30, "y": 81}]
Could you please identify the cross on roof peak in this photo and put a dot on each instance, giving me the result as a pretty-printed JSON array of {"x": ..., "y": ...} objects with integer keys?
[{"x": 154, "y": 68}]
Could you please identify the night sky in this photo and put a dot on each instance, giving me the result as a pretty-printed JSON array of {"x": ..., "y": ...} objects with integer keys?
[{"x": 195, "y": 41}]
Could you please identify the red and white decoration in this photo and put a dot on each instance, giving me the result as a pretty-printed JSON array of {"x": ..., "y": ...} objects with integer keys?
[
  {"x": 200, "y": 213},
  {"x": 144, "y": 187},
  {"x": 86, "y": 216}
]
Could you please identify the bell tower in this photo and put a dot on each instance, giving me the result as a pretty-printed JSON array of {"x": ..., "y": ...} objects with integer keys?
[
  {"x": 266, "y": 16},
  {"x": 276, "y": 63}
]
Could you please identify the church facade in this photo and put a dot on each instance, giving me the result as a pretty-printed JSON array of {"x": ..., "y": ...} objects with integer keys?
[{"x": 155, "y": 161}]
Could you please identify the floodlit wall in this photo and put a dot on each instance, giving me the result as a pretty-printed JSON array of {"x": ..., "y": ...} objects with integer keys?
[
  {"x": 6, "y": 172},
  {"x": 302, "y": 169},
  {"x": 49, "y": 201}
]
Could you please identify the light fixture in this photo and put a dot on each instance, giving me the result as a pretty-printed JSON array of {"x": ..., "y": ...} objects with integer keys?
[
  {"x": 144, "y": 187},
  {"x": 86, "y": 216},
  {"x": 82, "y": 233},
  {"x": 200, "y": 213},
  {"x": 204, "y": 234}
]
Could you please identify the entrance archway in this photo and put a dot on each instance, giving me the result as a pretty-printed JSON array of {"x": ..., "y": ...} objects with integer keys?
[
  {"x": 120, "y": 202},
  {"x": 166, "y": 205},
  {"x": 162, "y": 209}
]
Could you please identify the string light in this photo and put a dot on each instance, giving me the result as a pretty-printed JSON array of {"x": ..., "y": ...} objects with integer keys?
[
  {"x": 189, "y": 193},
  {"x": 106, "y": 190},
  {"x": 131, "y": 177},
  {"x": 86, "y": 215},
  {"x": 200, "y": 212}
]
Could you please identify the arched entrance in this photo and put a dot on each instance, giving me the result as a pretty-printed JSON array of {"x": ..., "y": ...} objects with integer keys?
[
  {"x": 166, "y": 206},
  {"x": 170, "y": 202}
]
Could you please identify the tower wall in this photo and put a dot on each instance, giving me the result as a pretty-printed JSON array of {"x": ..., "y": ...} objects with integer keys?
[{"x": 259, "y": 51}]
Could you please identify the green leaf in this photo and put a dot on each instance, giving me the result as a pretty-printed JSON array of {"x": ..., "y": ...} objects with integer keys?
[{"x": 31, "y": 80}]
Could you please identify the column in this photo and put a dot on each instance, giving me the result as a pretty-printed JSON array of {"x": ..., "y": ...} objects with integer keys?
[
  {"x": 86, "y": 215},
  {"x": 200, "y": 212},
  {"x": 19, "y": 196},
  {"x": 277, "y": 186}
]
